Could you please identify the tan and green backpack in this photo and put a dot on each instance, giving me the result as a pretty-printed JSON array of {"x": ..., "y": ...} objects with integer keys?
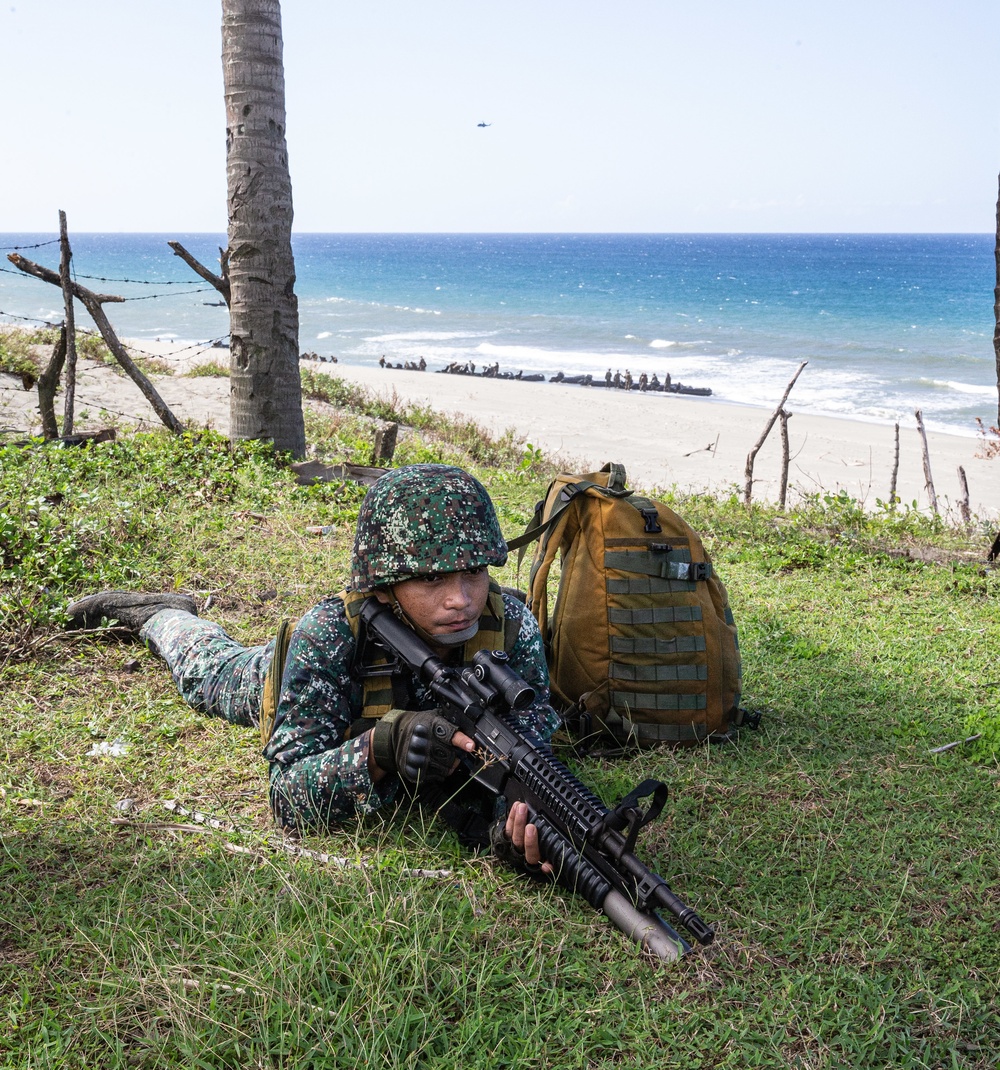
[{"x": 641, "y": 643}]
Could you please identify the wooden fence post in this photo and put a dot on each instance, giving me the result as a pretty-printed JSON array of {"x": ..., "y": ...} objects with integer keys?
[
  {"x": 65, "y": 255},
  {"x": 782, "y": 496},
  {"x": 748, "y": 485},
  {"x": 963, "y": 502},
  {"x": 996, "y": 307},
  {"x": 92, "y": 302},
  {"x": 893, "y": 497},
  {"x": 48, "y": 381},
  {"x": 928, "y": 480},
  {"x": 385, "y": 444}
]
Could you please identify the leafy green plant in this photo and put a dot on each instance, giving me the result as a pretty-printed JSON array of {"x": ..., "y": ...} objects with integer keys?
[
  {"x": 209, "y": 368},
  {"x": 532, "y": 458},
  {"x": 91, "y": 345},
  {"x": 16, "y": 356}
]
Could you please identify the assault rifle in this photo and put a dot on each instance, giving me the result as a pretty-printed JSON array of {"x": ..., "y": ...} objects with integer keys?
[{"x": 589, "y": 846}]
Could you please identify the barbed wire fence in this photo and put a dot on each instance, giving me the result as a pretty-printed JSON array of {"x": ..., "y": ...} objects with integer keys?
[{"x": 68, "y": 278}]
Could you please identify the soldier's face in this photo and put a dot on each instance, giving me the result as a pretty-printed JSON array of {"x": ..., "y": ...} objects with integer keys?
[{"x": 443, "y": 602}]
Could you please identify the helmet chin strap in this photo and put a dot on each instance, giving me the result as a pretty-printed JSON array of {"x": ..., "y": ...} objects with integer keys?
[
  {"x": 444, "y": 639},
  {"x": 457, "y": 638}
]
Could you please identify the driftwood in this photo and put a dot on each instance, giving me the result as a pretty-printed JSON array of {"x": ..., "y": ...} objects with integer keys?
[
  {"x": 748, "y": 486},
  {"x": 928, "y": 480},
  {"x": 895, "y": 472},
  {"x": 963, "y": 502},
  {"x": 220, "y": 282},
  {"x": 309, "y": 472},
  {"x": 48, "y": 382},
  {"x": 69, "y": 322},
  {"x": 92, "y": 302},
  {"x": 783, "y": 493},
  {"x": 79, "y": 438}
]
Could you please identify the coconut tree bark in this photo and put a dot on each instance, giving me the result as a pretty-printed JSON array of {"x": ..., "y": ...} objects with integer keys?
[{"x": 266, "y": 393}]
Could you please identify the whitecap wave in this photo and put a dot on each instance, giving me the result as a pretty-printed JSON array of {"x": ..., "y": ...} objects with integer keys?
[
  {"x": 428, "y": 336},
  {"x": 961, "y": 388}
]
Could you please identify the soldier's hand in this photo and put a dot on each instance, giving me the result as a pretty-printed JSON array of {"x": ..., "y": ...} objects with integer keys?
[
  {"x": 524, "y": 837},
  {"x": 419, "y": 745}
]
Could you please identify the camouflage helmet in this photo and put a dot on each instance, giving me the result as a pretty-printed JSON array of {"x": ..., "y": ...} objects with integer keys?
[{"x": 420, "y": 519}]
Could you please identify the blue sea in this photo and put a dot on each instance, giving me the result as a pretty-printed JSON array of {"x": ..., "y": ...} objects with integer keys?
[{"x": 888, "y": 323}]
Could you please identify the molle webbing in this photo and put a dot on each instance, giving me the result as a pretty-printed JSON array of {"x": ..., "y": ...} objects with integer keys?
[
  {"x": 681, "y": 644},
  {"x": 647, "y": 733},
  {"x": 387, "y": 691},
  {"x": 665, "y": 564},
  {"x": 640, "y": 638},
  {"x": 655, "y": 615},
  {"x": 654, "y": 674}
]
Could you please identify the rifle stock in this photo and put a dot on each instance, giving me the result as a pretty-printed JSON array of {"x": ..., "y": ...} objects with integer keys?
[{"x": 589, "y": 846}]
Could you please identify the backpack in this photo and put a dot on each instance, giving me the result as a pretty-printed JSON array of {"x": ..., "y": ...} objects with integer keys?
[{"x": 641, "y": 643}]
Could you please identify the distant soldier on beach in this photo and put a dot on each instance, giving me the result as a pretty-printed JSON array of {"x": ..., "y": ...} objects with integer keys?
[
  {"x": 654, "y": 383},
  {"x": 422, "y": 365},
  {"x": 643, "y": 381},
  {"x": 628, "y": 379},
  {"x": 617, "y": 380},
  {"x": 381, "y": 361},
  {"x": 607, "y": 376}
]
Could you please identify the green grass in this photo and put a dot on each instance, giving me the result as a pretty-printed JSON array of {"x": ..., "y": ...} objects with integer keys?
[
  {"x": 17, "y": 355},
  {"x": 852, "y": 875},
  {"x": 210, "y": 368}
]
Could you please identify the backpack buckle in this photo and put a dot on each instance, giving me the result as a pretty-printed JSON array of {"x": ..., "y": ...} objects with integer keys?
[
  {"x": 700, "y": 570},
  {"x": 651, "y": 519}
]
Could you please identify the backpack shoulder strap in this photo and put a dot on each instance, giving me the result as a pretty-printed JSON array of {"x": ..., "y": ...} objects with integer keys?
[
  {"x": 272, "y": 680},
  {"x": 561, "y": 494}
]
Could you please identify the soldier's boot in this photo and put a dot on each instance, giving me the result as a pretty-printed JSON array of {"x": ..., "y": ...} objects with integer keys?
[{"x": 131, "y": 609}]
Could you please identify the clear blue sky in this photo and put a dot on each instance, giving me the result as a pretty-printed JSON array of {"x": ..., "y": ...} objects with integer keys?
[{"x": 608, "y": 115}]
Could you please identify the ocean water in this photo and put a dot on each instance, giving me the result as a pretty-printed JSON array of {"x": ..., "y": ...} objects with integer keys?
[{"x": 888, "y": 323}]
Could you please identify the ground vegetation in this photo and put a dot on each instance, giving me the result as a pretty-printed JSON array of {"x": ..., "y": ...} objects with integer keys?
[{"x": 851, "y": 871}]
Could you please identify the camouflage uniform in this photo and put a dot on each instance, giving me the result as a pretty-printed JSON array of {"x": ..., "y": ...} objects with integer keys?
[{"x": 416, "y": 520}]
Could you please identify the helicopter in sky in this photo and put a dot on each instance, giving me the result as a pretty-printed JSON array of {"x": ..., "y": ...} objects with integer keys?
[{"x": 483, "y": 124}]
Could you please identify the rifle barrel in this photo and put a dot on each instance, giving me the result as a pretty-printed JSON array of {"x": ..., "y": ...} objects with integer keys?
[{"x": 647, "y": 929}]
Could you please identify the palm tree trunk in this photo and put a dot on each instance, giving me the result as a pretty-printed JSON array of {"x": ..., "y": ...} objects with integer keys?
[{"x": 266, "y": 393}]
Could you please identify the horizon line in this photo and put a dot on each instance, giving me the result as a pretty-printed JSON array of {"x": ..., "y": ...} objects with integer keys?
[{"x": 553, "y": 233}]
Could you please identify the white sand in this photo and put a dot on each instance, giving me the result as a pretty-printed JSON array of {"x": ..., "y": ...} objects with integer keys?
[
  {"x": 663, "y": 440},
  {"x": 696, "y": 443}
]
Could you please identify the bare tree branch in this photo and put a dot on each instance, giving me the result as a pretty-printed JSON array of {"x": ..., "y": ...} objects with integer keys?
[
  {"x": 748, "y": 485},
  {"x": 220, "y": 282}
]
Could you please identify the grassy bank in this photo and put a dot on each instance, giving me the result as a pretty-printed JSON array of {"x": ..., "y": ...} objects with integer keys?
[{"x": 852, "y": 875}]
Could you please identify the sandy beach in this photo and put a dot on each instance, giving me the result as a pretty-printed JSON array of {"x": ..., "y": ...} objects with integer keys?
[{"x": 693, "y": 443}]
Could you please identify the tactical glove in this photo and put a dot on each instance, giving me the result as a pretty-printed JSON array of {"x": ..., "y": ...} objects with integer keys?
[
  {"x": 503, "y": 848},
  {"x": 414, "y": 744}
]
